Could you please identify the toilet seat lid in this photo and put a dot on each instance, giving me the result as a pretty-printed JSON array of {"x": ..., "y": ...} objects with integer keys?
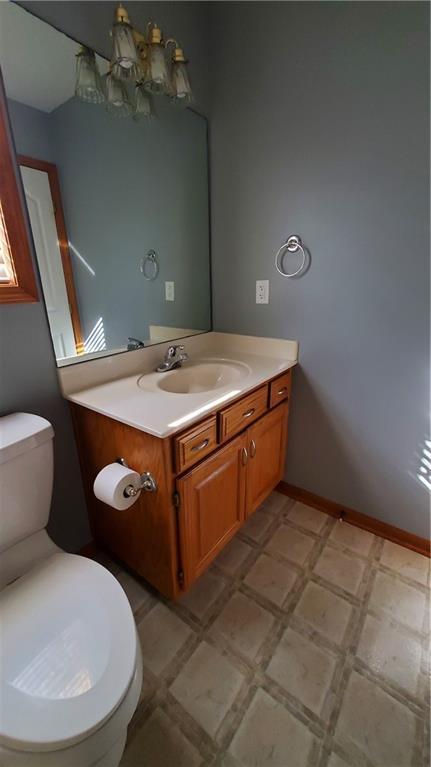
[{"x": 68, "y": 653}]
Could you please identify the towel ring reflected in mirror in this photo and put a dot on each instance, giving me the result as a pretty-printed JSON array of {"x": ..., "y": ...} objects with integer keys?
[
  {"x": 149, "y": 266},
  {"x": 292, "y": 245}
]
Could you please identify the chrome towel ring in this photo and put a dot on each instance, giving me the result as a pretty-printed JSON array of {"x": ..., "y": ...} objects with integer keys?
[
  {"x": 292, "y": 244},
  {"x": 151, "y": 259}
]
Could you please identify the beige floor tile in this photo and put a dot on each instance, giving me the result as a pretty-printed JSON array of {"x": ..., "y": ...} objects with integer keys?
[
  {"x": 404, "y": 603},
  {"x": 160, "y": 743},
  {"x": 276, "y": 502},
  {"x": 269, "y": 736},
  {"x": 406, "y": 562},
  {"x": 391, "y": 653},
  {"x": 244, "y": 624},
  {"x": 207, "y": 686},
  {"x": 291, "y": 544},
  {"x": 202, "y": 595},
  {"x": 233, "y": 556},
  {"x": 306, "y": 516},
  {"x": 336, "y": 761},
  {"x": 271, "y": 579},
  {"x": 375, "y": 725},
  {"x": 135, "y": 591},
  {"x": 352, "y": 538},
  {"x": 303, "y": 669},
  {"x": 257, "y": 525},
  {"x": 162, "y": 634},
  {"x": 324, "y": 612},
  {"x": 340, "y": 569}
]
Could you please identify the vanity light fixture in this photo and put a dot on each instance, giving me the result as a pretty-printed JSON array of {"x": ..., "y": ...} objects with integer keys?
[
  {"x": 88, "y": 81},
  {"x": 156, "y": 74},
  {"x": 144, "y": 59},
  {"x": 125, "y": 60},
  {"x": 117, "y": 99},
  {"x": 181, "y": 91},
  {"x": 143, "y": 104}
]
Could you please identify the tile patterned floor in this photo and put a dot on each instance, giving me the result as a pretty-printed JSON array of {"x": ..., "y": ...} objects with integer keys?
[{"x": 304, "y": 645}]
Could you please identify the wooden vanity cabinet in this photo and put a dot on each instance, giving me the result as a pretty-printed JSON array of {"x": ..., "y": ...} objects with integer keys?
[
  {"x": 210, "y": 478},
  {"x": 266, "y": 446},
  {"x": 211, "y": 507}
]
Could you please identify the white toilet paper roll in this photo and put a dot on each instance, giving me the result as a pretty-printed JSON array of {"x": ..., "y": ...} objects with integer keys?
[{"x": 111, "y": 482}]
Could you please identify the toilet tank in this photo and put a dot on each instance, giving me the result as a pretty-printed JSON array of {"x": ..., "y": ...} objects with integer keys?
[{"x": 26, "y": 476}]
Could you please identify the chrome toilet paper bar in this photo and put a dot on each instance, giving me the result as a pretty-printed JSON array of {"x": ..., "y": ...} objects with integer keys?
[{"x": 147, "y": 482}]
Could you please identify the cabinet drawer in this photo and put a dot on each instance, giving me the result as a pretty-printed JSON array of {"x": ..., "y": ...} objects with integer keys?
[
  {"x": 194, "y": 444},
  {"x": 236, "y": 417},
  {"x": 279, "y": 389}
]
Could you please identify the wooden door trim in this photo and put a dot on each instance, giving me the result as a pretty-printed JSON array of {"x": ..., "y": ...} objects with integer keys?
[
  {"x": 63, "y": 241},
  {"x": 15, "y": 219},
  {"x": 356, "y": 518}
]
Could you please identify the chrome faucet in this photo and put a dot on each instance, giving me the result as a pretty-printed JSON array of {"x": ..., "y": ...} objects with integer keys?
[
  {"x": 174, "y": 357},
  {"x": 134, "y": 343}
]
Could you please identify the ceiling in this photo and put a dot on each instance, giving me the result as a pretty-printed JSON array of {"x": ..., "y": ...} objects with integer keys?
[{"x": 37, "y": 61}]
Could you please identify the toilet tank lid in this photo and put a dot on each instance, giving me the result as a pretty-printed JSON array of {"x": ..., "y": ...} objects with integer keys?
[{"x": 20, "y": 432}]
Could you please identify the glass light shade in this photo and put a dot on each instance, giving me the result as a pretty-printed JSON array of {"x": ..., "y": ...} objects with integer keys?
[
  {"x": 88, "y": 81},
  {"x": 143, "y": 104},
  {"x": 125, "y": 61},
  {"x": 117, "y": 100},
  {"x": 156, "y": 79},
  {"x": 182, "y": 92}
]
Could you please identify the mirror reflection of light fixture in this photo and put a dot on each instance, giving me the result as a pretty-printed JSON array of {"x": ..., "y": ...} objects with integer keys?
[
  {"x": 143, "y": 104},
  {"x": 117, "y": 99},
  {"x": 88, "y": 81},
  {"x": 181, "y": 92},
  {"x": 125, "y": 61},
  {"x": 138, "y": 57}
]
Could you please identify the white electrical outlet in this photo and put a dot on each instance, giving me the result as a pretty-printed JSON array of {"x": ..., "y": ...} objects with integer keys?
[
  {"x": 262, "y": 291},
  {"x": 170, "y": 291}
]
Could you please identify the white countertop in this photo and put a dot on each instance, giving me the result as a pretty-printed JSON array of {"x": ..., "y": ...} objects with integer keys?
[{"x": 162, "y": 413}]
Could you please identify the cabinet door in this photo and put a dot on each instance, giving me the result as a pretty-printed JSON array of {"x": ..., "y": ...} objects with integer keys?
[
  {"x": 266, "y": 445},
  {"x": 212, "y": 507}
]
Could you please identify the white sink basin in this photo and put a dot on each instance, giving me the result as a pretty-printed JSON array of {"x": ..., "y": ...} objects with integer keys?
[{"x": 199, "y": 376}]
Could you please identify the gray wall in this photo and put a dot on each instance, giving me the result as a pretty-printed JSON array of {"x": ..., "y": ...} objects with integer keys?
[
  {"x": 28, "y": 377},
  {"x": 324, "y": 133}
]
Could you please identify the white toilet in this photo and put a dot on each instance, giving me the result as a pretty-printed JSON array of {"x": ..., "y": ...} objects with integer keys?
[{"x": 71, "y": 662}]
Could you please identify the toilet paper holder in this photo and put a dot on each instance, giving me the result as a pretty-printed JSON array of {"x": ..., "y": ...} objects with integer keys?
[{"x": 147, "y": 482}]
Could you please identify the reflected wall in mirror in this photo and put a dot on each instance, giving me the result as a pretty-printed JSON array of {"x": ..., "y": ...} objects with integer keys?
[{"x": 118, "y": 208}]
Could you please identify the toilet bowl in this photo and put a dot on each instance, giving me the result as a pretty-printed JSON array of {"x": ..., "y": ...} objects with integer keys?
[{"x": 71, "y": 660}]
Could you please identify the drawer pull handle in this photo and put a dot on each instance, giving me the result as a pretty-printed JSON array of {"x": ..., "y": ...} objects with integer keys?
[
  {"x": 252, "y": 448},
  {"x": 201, "y": 446},
  {"x": 281, "y": 391},
  {"x": 248, "y": 413},
  {"x": 244, "y": 456}
]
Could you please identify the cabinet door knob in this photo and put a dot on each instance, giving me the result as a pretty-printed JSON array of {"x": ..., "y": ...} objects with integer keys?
[
  {"x": 201, "y": 445},
  {"x": 252, "y": 448},
  {"x": 244, "y": 456},
  {"x": 248, "y": 413},
  {"x": 281, "y": 391}
]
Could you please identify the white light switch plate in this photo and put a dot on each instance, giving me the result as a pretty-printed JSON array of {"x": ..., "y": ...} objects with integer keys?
[
  {"x": 170, "y": 291},
  {"x": 262, "y": 291}
]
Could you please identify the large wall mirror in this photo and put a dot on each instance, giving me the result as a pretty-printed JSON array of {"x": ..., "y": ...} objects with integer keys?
[{"x": 118, "y": 208}]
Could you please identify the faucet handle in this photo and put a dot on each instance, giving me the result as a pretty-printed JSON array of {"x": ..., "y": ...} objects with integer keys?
[{"x": 172, "y": 351}]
